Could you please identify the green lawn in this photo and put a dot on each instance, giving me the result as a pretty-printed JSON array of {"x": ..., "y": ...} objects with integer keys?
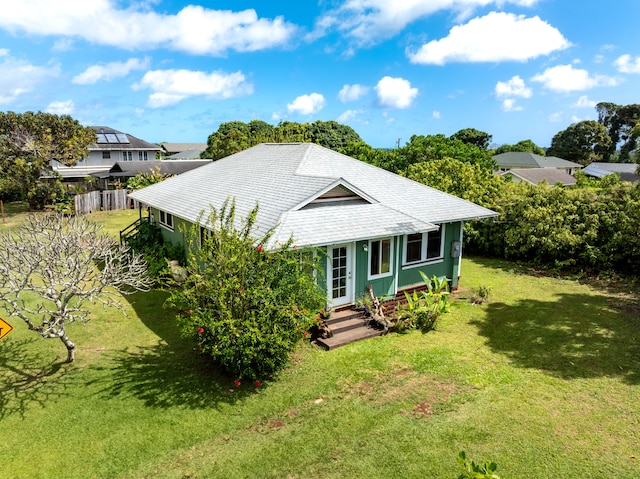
[{"x": 544, "y": 380}]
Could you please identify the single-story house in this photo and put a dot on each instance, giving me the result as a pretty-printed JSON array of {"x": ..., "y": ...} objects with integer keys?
[
  {"x": 375, "y": 227},
  {"x": 181, "y": 151},
  {"x": 626, "y": 171},
  {"x": 520, "y": 159},
  {"x": 534, "y": 176},
  {"x": 123, "y": 170}
]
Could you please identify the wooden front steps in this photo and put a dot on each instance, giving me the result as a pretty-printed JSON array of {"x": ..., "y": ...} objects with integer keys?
[{"x": 347, "y": 327}]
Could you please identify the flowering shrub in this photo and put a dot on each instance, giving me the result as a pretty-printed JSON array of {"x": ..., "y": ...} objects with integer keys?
[{"x": 244, "y": 306}]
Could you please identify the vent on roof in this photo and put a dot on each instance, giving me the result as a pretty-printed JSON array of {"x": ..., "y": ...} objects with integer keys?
[{"x": 339, "y": 194}]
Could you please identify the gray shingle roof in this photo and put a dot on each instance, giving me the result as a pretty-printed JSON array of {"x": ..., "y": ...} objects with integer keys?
[
  {"x": 521, "y": 159},
  {"x": 536, "y": 175},
  {"x": 282, "y": 178},
  {"x": 165, "y": 167},
  {"x": 133, "y": 144}
]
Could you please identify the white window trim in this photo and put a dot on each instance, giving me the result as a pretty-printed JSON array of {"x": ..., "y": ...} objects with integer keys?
[
  {"x": 391, "y": 256},
  {"x": 162, "y": 220},
  {"x": 424, "y": 260}
]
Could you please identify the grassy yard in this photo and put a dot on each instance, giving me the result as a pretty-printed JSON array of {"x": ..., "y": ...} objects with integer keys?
[{"x": 544, "y": 380}]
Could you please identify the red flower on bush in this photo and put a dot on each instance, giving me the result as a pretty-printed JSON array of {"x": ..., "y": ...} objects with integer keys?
[
  {"x": 236, "y": 383},
  {"x": 200, "y": 330},
  {"x": 259, "y": 248},
  {"x": 258, "y": 384}
]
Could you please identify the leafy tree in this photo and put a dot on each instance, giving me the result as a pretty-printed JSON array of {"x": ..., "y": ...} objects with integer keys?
[
  {"x": 245, "y": 307},
  {"x": 29, "y": 142},
  {"x": 526, "y": 146},
  {"x": 437, "y": 147},
  {"x": 142, "y": 180},
  {"x": 473, "y": 137},
  {"x": 620, "y": 122},
  {"x": 52, "y": 265},
  {"x": 380, "y": 157},
  {"x": 582, "y": 142},
  {"x": 465, "y": 180},
  {"x": 332, "y": 134}
]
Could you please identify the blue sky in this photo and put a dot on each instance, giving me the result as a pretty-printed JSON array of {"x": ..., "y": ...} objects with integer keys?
[{"x": 174, "y": 70}]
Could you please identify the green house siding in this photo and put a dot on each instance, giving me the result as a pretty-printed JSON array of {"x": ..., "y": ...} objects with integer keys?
[
  {"x": 446, "y": 266},
  {"x": 175, "y": 236}
]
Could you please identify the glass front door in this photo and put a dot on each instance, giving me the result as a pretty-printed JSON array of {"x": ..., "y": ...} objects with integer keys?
[{"x": 339, "y": 272}]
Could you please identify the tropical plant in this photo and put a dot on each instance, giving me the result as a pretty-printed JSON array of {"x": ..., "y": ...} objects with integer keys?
[
  {"x": 477, "y": 471},
  {"x": 423, "y": 309},
  {"x": 244, "y": 306}
]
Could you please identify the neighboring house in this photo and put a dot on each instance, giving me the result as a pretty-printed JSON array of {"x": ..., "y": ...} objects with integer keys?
[
  {"x": 534, "y": 176},
  {"x": 180, "y": 151},
  {"x": 626, "y": 171},
  {"x": 376, "y": 227},
  {"x": 111, "y": 146},
  {"x": 123, "y": 170},
  {"x": 519, "y": 159}
]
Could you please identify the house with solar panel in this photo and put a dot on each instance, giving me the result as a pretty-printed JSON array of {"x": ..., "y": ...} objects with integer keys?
[
  {"x": 111, "y": 146},
  {"x": 375, "y": 227}
]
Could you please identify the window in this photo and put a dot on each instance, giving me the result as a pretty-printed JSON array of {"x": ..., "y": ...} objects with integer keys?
[
  {"x": 106, "y": 155},
  {"x": 166, "y": 220},
  {"x": 127, "y": 156},
  {"x": 380, "y": 257},
  {"x": 142, "y": 156},
  {"x": 421, "y": 247}
]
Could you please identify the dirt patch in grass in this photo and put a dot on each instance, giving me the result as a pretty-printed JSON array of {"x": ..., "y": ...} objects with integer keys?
[{"x": 417, "y": 394}]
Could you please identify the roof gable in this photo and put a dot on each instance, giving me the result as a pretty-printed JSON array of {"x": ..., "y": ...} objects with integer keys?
[{"x": 289, "y": 180}]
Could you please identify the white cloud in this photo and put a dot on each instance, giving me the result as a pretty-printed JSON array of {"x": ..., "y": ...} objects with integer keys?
[
  {"x": 495, "y": 37},
  {"x": 626, "y": 64},
  {"x": 555, "y": 117},
  {"x": 514, "y": 87},
  {"x": 61, "y": 107},
  {"x": 395, "y": 92},
  {"x": 18, "y": 77},
  {"x": 509, "y": 104},
  {"x": 169, "y": 87},
  {"x": 348, "y": 115},
  {"x": 307, "y": 104},
  {"x": 371, "y": 21},
  {"x": 436, "y": 115},
  {"x": 109, "y": 71},
  {"x": 194, "y": 29},
  {"x": 352, "y": 92},
  {"x": 584, "y": 102},
  {"x": 566, "y": 78}
]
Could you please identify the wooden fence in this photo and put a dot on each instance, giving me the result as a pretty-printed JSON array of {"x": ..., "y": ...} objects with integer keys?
[{"x": 101, "y": 201}]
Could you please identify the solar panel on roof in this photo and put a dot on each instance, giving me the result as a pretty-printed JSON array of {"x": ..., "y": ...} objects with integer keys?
[
  {"x": 111, "y": 137},
  {"x": 122, "y": 138},
  {"x": 101, "y": 138}
]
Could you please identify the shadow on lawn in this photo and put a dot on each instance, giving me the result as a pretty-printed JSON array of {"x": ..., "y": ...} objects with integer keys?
[
  {"x": 567, "y": 335},
  {"x": 169, "y": 373},
  {"x": 28, "y": 378}
]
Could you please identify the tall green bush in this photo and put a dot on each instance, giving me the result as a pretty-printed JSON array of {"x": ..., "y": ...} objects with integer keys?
[{"x": 244, "y": 306}]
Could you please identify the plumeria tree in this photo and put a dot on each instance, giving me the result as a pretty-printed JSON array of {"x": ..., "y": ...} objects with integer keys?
[
  {"x": 51, "y": 266},
  {"x": 245, "y": 306}
]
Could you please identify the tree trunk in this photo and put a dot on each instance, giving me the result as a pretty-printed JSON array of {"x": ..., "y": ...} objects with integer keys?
[{"x": 71, "y": 348}]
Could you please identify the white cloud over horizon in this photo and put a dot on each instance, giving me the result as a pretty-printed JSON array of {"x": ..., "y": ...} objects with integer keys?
[
  {"x": 370, "y": 21},
  {"x": 395, "y": 93},
  {"x": 18, "y": 77},
  {"x": 110, "y": 71},
  {"x": 627, "y": 64},
  {"x": 194, "y": 29},
  {"x": 61, "y": 107},
  {"x": 496, "y": 37},
  {"x": 307, "y": 104},
  {"x": 169, "y": 87},
  {"x": 566, "y": 78},
  {"x": 352, "y": 92}
]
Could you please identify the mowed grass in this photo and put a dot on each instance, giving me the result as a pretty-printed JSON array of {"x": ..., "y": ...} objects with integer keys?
[{"x": 544, "y": 380}]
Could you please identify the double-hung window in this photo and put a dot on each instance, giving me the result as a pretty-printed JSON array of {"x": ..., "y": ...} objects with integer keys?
[
  {"x": 380, "y": 257},
  {"x": 166, "y": 219},
  {"x": 423, "y": 247}
]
